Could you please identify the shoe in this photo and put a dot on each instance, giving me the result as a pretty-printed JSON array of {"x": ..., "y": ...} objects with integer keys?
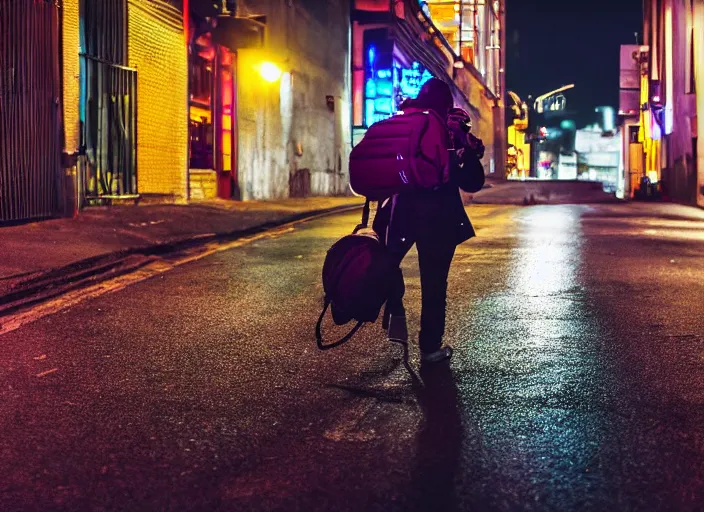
[
  {"x": 398, "y": 330},
  {"x": 439, "y": 355}
]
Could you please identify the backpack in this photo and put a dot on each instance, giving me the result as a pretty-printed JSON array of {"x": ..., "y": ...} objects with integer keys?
[
  {"x": 407, "y": 151},
  {"x": 356, "y": 281}
]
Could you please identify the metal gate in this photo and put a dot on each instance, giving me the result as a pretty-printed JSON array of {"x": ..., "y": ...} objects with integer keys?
[
  {"x": 108, "y": 164},
  {"x": 30, "y": 135}
]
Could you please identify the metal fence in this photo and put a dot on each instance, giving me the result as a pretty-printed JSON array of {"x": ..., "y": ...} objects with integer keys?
[
  {"x": 30, "y": 135},
  {"x": 108, "y": 162}
]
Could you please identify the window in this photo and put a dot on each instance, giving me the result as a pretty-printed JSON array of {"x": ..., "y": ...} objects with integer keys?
[
  {"x": 378, "y": 76},
  {"x": 200, "y": 80}
]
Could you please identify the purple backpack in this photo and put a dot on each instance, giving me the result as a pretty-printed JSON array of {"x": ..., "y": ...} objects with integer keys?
[
  {"x": 408, "y": 151},
  {"x": 357, "y": 276}
]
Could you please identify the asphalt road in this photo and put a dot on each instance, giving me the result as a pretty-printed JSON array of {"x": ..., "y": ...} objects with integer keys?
[{"x": 577, "y": 381}]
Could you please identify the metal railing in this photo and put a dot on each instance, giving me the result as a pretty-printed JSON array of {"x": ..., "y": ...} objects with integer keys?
[
  {"x": 108, "y": 161},
  {"x": 30, "y": 142}
]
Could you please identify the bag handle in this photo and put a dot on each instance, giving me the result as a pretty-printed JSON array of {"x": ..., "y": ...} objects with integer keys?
[
  {"x": 365, "y": 218},
  {"x": 318, "y": 327},
  {"x": 319, "y": 333}
]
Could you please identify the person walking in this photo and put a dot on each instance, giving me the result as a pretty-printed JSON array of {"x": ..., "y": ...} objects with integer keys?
[{"x": 435, "y": 221}]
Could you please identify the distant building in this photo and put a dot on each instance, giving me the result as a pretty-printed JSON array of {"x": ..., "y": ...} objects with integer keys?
[
  {"x": 636, "y": 123},
  {"x": 666, "y": 144},
  {"x": 599, "y": 157}
]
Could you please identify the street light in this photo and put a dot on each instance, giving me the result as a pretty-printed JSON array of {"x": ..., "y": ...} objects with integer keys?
[
  {"x": 538, "y": 104},
  {"x": 270, "y": 71}
]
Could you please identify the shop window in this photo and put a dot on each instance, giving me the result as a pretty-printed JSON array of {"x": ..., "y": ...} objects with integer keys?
[
  {"x": 200, "y": 128},
  {"x": 378, "y": 76},
  {"x": 200, "y": 80},
  {"x": 201, "y": 144},
  {"x": 409, "y": 80}
]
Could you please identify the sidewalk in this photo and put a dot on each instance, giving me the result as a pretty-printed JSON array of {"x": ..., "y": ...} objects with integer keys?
[
  {"x": 542, "y": 192},
  {"x": 31, "y": 250}
]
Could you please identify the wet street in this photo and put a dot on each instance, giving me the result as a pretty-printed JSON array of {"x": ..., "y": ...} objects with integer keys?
[{"x": 577, "y": 381}]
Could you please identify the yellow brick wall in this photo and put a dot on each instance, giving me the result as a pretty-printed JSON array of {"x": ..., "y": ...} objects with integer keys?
[
  {"x": 204, "y": 184},
  {"x": 157, "y": 50},
  {"x": 71, "y": 72}
]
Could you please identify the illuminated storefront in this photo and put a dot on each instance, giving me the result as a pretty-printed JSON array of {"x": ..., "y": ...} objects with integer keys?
[
  {"x": 211, "y": 120},
  {"x": 388, "y": 81}
]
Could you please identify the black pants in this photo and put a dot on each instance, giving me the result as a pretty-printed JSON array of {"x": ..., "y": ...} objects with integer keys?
[{"x": 434, "y": 260}]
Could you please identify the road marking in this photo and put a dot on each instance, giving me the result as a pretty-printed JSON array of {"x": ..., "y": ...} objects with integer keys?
[{"x": 153, "y": 269}]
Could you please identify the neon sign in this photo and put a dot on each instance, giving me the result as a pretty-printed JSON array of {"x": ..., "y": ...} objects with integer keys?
[
  {"x": 410, "y": 80},
  {"x": 379, "y": 79},
  {"x": 386, "y": 82}
]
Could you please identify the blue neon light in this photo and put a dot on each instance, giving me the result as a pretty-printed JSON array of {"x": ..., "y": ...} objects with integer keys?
[
  {"x": 386, "y": 87},
  {"x": 410, "y": 80}
]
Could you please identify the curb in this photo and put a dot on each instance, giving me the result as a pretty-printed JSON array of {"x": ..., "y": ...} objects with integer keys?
[{"x": 53, "y": 282}]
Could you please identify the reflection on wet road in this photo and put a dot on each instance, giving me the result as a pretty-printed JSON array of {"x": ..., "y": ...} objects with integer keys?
[{"x": 533, "y": 383}]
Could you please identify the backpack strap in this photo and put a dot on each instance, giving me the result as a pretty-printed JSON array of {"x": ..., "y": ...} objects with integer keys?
[
  {"x": 365, "y": 218},
  {"x": 319, "y": 333}
]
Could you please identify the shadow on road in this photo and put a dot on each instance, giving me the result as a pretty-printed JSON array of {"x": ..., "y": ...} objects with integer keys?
[{"x": 439, "y": 440}]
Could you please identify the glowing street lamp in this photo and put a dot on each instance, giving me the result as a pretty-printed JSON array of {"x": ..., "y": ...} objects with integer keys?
[{"x": 270, "y": 72}]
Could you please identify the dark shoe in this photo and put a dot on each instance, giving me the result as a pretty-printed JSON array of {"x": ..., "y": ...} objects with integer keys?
[{"x": 442, "y": 354}]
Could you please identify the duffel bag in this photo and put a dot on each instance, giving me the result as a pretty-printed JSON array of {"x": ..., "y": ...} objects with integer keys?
[{"x": 357, "y": 276}]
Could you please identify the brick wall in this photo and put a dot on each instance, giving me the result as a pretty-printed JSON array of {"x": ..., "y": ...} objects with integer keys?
[
  {"x": 204, "y": 184},
  {"x": 157, "y": 50},
  {"x": 71, "y": 74}
]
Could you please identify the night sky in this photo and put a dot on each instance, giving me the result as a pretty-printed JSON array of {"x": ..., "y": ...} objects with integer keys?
[{"x": 553, "y": 43}]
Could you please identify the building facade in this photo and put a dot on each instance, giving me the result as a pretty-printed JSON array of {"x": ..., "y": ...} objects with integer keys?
[
  {"x": 268, "y": 119},
  {"x": 171, "y": 100},
  {"x": 398, "y": 45},
  {"x": 125, "y": 91},
  {"x": 672, "y": 99},
  {"x": 294, "y": 134},
  {"x": 179, "y": 100}
]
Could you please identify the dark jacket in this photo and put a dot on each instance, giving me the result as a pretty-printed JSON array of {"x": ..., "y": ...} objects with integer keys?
[{"x": 437, "y": 216}]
